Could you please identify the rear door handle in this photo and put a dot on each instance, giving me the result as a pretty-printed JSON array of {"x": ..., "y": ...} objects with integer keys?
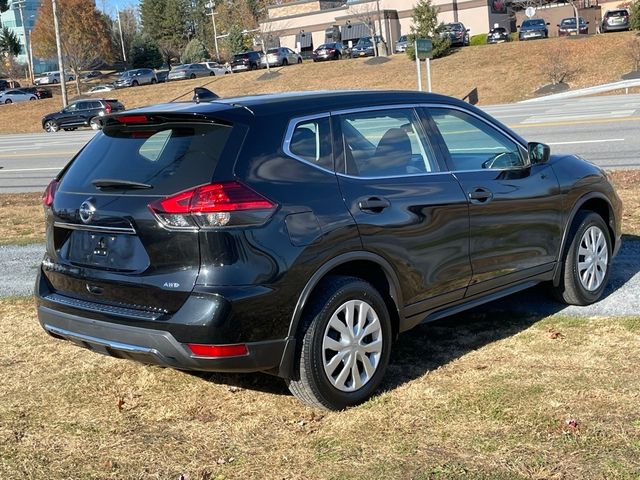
[
  {"x": 480, "y": 195},
  {"x": 373, "y": 204}
]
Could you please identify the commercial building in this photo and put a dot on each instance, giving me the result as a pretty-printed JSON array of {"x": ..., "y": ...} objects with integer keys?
[
  {"x": 306, "y": 24},
  {"x": 20, "y": 18}
]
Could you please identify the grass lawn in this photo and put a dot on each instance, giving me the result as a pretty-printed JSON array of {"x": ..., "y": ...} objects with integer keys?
[
  {"x": 502, "y": 73},
  {"x": 22, "y": 217},
  {"x": 510, "y": 397}
]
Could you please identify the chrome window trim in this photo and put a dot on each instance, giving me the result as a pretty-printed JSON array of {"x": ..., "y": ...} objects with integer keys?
[
  {"x": 297, "y": 120},
  {"x": 286, "y": 145},
  {"x": 95, "y": 228}
]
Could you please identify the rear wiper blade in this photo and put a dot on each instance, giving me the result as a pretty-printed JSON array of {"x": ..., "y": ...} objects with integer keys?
[{"x": 115, "y": 183}]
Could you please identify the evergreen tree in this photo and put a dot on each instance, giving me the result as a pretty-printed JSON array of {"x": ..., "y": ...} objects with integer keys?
[
  {"x": 194, "y": 52},
  {"x": 166, "y": 22},
  {"x": 9, "y": 43},
  {"x": 425, "y": 25},
  {"x": 4, "y": 5},
  {"x": 145, "y": 53},
  {"x": 235, "y": 40}
]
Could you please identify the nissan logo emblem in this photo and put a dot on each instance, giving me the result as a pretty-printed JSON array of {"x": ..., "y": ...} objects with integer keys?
[{"x": 87, "y": 211}]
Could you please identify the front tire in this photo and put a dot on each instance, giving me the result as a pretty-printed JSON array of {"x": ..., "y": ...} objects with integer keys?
[
  {"x": 134, "y": 83},
  {"x": 345, "y": 345},
  {"x": 587, "y": 261},
  {"x": 8, "y": 101}
]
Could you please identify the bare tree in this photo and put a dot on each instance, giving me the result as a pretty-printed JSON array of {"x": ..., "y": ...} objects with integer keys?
[
  {"x": 369, "y": 14},
  {"x": 633, "y": 51},
  {"x": 559, "y": 69}
]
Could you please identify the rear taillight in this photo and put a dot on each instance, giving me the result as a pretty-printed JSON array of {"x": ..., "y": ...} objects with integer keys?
[
  {"x": 236, "y": 350},
  {"x": 211, "y": 206},
  {"x": 50, "y": 193}
]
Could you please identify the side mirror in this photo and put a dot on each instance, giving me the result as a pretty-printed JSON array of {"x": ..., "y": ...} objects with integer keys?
[{"x": 538, "y": 153}]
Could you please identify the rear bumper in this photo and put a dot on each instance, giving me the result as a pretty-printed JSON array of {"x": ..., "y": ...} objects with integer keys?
[{"x": 153, "y": 346}]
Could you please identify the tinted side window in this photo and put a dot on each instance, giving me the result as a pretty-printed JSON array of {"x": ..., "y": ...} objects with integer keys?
[
  {"x": 385, "y": 143},
  {"x": 473, "y": 144},
  {"x": 311, "y": 141}
]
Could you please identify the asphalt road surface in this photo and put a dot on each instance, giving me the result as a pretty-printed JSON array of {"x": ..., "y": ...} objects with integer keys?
[{"x": 602, "y": 129}]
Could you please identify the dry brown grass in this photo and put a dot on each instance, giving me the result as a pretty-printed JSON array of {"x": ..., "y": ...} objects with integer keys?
[
  {"x": 627, "y": 184},
  {"x": 502, "y": 73},
  {"x": 22, "y": 219},
  {"x": 474, "y": 396}
]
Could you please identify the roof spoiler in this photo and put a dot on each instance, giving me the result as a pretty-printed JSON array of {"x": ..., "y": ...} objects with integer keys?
[{"x": 201, "y": 94}]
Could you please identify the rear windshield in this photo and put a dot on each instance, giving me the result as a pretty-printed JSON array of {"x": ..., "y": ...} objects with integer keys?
[
  {"x": 617, "y": 13},
  {"x": 171, "y": 157}
]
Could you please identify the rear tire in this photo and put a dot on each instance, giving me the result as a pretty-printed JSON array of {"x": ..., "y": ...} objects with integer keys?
[
  {"x": 51, "y": 126},
  {"x": 153, "y": 81},
  {"x": 8, "y": 101},
  {"x": 587, "y": 261},
  {"x": 193, "y": 75},
  {"x": 299, "y": 61},
  {"x": 285, "y": 62},
  {"x": 95, "y": 123},
  {"x": 344, "y": 347}
]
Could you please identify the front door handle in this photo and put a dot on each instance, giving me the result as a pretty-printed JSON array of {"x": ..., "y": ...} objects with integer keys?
[
  {"x": 480, "y": 195},
  {"x": 373, "y": 204}
]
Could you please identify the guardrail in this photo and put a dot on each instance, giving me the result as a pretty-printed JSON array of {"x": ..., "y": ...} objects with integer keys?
[{"x": 583, "y": 92}]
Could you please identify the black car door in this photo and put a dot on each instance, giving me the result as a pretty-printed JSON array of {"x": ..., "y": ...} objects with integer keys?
[
  {"x": 69, "y": 115},
  {"x": 407, "y": 209},
  {"x": 515, "y": 208}
]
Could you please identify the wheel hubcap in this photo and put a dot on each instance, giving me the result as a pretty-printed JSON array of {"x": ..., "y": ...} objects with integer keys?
[
  {"x": 352, "y": 346},
  {"x": 593, "y": 257}
]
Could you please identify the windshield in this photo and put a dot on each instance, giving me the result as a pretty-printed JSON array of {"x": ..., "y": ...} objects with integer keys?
[
  {"x": 455, "y": 27},
  {"x": 538, "y": 22},
  {"x": 568, "y": 22},
  {"x": 363, "y": 42},
  {"x": 403, "y": 38}
]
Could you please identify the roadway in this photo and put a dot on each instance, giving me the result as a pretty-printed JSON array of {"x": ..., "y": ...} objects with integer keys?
[{"x": 604, "y": 130}]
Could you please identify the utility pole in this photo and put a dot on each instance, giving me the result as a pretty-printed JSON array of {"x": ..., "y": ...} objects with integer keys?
[
  {"x": 56, "y": 28},
  {"x": 380, "y": 25},
  {"x": 124, "y": 54},
  {"x": 212, "y": 5},
  {"x": 20, "y": 5}
]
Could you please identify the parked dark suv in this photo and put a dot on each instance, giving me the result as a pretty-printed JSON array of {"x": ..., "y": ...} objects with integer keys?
[
  {"x": 83, "y": 113},
  {"x": 299, "y": 234},
  {"x": 245, "y": 61}
]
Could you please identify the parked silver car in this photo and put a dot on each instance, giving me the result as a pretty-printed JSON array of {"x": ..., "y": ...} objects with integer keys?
[
  {"x": 280, "y": 57},
  {"x": 189, "y": 70},
  {"x": 217, "y": 68},
  {"x": 17, "y": 95},
  {"x": 53, "y": 77},
  {"x": 133, "y": 78}
]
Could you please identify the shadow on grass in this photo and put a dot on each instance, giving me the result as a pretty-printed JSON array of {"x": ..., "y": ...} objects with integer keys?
[{"x": 433, "y": 345}]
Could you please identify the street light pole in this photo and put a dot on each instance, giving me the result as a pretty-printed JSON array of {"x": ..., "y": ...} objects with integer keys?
[
  {"x": 212, "y": 5},
  {"x": 124, "y": 54},
  {"x": 20, "y": 5},
  {"x": 56, "y": 28}
]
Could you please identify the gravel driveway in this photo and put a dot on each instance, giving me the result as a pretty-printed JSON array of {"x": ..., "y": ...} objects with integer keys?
[{"x": 622, "y": 296}]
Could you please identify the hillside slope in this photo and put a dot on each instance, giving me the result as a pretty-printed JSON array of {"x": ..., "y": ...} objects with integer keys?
[{"x": 501, "y": 73}]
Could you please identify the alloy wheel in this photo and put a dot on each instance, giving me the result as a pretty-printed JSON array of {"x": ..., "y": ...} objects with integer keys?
[
  {"x": 352, "y": 345},
  {"x": 593, "y": 257}
]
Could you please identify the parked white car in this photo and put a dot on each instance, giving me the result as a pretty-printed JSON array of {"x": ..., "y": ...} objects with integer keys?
[
  {"x": 53, "y": 77},
  {"x": 101, "y": 89},
  {"x": 217, "y": 68},
  {"x": 16, "y": 95}
]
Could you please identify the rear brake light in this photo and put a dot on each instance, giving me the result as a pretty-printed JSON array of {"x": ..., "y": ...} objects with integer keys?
[
  {"x": 237, "y": 350},
  {"x": 132, "y": 119},
  {"x": 50, "y": 193},
  {"x": 215, "y": 205}
]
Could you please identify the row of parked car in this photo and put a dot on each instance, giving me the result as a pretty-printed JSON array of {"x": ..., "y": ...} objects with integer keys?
[{"x": 535, "y": 28}]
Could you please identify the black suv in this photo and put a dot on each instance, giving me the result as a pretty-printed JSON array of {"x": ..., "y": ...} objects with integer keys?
[
  {"x": 82, "y": 113},
  {"x": 299, "y": 234},
  {"x": 245, "y": 61}
]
